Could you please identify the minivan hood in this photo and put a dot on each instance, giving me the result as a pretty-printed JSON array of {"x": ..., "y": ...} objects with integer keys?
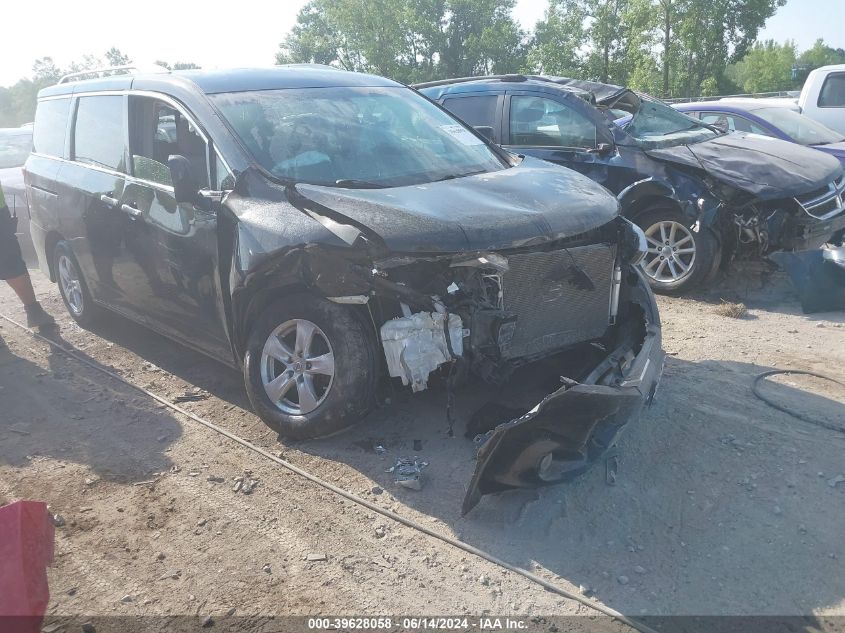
[
  {"x": 765, "y": 167},
  {"x": 531, "y": 203}
]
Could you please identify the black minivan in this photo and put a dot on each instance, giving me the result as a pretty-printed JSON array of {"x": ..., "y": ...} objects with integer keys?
[
  {"x": 703, "y": 197},
  {"x": 327, "y": 231}
]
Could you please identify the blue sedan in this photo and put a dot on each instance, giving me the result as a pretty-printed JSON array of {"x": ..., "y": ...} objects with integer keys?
[{"x": 760, "y": 116}]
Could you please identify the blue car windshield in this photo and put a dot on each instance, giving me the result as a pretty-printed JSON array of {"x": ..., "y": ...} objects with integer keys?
[
  {"x": 655, "y": 125},
  {"x": 355, "y": 137},
  {"x": 801, "y": 129}
]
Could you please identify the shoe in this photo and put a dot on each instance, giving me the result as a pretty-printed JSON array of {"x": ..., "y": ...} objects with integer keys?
[{"x": 37, "y": 317}]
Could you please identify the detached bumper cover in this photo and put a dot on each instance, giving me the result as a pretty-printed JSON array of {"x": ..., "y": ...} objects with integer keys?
[{"x": 569, "y": 429}]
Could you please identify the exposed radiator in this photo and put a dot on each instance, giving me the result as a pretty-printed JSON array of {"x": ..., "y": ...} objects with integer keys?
[{"x": 559, "y": 298}]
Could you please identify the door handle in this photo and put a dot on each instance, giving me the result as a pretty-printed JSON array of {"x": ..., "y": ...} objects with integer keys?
[
  {"x": 135, "y": 213},
  {"x": 112, "y": 202}
]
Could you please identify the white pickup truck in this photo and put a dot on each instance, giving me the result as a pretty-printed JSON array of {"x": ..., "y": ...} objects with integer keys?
[{"x": 823, "y": 97}]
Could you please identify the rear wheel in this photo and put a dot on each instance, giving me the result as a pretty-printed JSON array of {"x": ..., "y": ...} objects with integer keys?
[
  {"x": 72, "y": 286},
  {"x": 679, "y": 257},
  {"x": 310, "y": 367}
]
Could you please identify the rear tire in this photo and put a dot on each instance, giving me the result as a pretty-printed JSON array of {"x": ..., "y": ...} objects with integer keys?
[
  {"x": 679, "y": 257},
  {"x": 72, "y": 286},
  {"x": 310, "y": 367}
]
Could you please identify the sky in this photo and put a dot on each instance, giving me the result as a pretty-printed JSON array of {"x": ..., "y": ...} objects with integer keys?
[{"x": 214, "y": 33}]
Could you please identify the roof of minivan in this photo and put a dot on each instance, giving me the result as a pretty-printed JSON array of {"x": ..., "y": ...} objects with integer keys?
[{"x": 232, "y": 80}]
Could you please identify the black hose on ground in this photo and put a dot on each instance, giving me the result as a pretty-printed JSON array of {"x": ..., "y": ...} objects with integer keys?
[{"x": 755, "y": 388}]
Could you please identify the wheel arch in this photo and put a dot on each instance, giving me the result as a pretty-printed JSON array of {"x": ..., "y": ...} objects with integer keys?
[
  {"x": 645, "y": 194},
  {"x": 50, "y": 241}
]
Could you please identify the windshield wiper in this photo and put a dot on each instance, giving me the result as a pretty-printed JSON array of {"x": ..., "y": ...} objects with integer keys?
[
  {"x": 453, "y": 176},
  {"x": 686, "y": 129},
  {"x": 351, "y": 183}
]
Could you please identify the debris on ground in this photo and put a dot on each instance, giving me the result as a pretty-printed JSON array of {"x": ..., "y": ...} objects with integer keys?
[
  {"x": 248, "y": 486},
  {"x": 836, "y": 480},
  {"x": 316, "y": 557},
  {"x": 731, "y": 310},
  {"x": 378, "y": 448},
  {"x": 407, "y": 472},
  {"x": 191, "y": 395},
  {"x": 58, "y": 520},
  {"x": 215, "y": 479}
]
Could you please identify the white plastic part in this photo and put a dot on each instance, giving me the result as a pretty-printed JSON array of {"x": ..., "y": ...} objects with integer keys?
[{"x": 415, "y": 345}]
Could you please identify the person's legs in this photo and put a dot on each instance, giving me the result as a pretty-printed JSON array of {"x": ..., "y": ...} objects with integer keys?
[
  {"x": 13, "y": 270},
  {"x": 22, "y": 285}
]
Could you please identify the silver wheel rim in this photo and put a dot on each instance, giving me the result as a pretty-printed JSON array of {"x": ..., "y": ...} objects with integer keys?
[
  {"x": 297, "y": 367},
  {"x": 671, "y": 252},
  {"x": 71, "y": 286}
]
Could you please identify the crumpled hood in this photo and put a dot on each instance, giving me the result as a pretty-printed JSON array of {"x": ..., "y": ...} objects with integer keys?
[
  {"x": 765, "y": 167},
  {"x": 531, "y": 203}
]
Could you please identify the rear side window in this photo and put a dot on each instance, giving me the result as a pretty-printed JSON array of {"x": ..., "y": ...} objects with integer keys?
[
  {"x": 540, "y": 122},
  {"x": 98, "y": 135},
  {"x": 832, "y": 94},
  {"x": 475, "y": 111},
  {"x": 48, "y": 137}
]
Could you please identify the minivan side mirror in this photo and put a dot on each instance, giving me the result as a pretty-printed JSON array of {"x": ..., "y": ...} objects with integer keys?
[
  {"x": 185, "y": 187},
  {"x": 485, "y": 130}
]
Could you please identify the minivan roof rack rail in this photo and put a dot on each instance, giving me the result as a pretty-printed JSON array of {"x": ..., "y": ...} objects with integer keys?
[
  {"x": 515, "y": 78},
  {"x": 128, "y": 69}
]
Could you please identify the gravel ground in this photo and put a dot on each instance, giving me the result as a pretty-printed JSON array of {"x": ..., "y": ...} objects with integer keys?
[{"x": 723, "y": 505}]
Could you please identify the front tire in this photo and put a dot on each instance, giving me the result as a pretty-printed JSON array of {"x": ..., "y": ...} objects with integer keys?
[
  {"x": 679, "y": 257},
  {"x": 310, "y": 367},
  {"x": 72, "y": 286}
]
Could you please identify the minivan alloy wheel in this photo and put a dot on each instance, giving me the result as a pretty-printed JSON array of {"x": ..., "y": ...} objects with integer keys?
[
  {"x": 71, "y": 286},
  {"x": 671, "y": 251},
  {"x": 297, "y": 367}
]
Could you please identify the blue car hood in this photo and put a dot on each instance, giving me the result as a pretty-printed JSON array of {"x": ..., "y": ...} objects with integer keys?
[{"x": 765, "y": 167}]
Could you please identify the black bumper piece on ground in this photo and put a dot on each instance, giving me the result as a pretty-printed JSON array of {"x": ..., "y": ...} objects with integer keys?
[{"x": 569, "y": 430}]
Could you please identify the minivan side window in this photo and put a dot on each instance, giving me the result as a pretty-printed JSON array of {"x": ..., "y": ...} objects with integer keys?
[
  {"x": 832, "y": 94},
  {"x": 157, "y": 130},
  {"x": 98, "y": 133},
  {"x": 48, "y": 135},
  {"x": 479, "y": 111},
  {"x": 539, "y": 122}
]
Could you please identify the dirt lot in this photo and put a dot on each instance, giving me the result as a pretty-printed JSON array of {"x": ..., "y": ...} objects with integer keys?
[{"x": 723, "y": 505}]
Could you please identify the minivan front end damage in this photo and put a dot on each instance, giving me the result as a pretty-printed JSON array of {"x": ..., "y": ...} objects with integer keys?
[{"x": 577, "y": 302}]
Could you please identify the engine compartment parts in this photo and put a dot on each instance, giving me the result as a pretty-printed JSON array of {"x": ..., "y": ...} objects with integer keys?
[
  {"x": 407, "y": 472},
  {"x": 416, "y": 345}
]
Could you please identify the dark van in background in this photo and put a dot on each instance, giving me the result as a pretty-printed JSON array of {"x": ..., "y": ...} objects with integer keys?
[
  {"x": 15, "y": 143},
  {"x": 327, "y": 231},
  {"x": 702, "y": 196}
]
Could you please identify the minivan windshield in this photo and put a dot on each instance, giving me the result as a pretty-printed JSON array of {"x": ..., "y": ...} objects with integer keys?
[
  {"x": 354, "y": 137},
  {"x": 801, "y": 129},
  {"x": 14, "y": 149},
  {"x": 655, "y": 125}
]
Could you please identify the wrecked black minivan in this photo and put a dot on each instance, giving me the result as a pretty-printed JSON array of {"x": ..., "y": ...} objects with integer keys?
[
  {"x": 326, "y": 231},
  {"x": 702, "y": 197}
]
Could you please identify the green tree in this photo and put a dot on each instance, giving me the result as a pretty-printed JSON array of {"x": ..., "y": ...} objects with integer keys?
[
  {"x": 821, "y": 55},
  {"x": 767, "y": 67},
  {"x": 407, "y": 41}
]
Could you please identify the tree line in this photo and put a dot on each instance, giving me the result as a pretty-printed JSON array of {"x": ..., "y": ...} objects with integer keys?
[
  {"x": 668, "y": 48},
  {"x": 17, "y": 102}
]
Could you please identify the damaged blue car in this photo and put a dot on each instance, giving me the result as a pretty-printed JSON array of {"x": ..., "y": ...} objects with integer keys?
[{"x": 703, "y": 197}]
